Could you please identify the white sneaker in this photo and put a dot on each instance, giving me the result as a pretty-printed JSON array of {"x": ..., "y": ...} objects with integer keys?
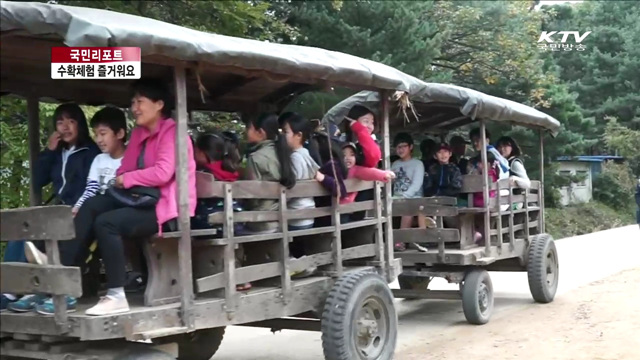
[
  {"x": 34, "y": 256},
  {"x": 109, "y": 306}
]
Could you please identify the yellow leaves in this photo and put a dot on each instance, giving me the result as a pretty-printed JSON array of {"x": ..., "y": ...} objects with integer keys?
[
  {"x": 466, "y": 67},
  {"x": 491, "y": 79}
]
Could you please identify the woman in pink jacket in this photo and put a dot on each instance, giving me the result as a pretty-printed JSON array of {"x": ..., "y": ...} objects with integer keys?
[{"x": 150, "y": 162}]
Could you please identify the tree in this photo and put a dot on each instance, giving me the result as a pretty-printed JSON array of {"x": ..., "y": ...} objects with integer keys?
[{"x": 607, "y": 73}]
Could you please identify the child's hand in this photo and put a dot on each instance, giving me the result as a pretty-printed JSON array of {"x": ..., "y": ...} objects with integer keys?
[
  {"x": 319, "y": 176},
  {"x": 390, "y": 175},
  {"x": 74, "y": 211},
  {"x": 119, "y": 183},
  {"x": 54, "y": 140}
]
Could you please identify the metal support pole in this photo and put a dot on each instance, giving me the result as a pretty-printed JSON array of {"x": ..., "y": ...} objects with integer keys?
[
  {"x": 485, "y": 188},
  {"x": 182, "y": 177},
  {"x": 33, "y": 115}
]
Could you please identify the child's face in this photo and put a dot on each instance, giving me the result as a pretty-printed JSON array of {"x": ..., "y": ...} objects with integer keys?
[
  {"x": 368, "y": 121},
  {"x": 200, "y": 157},
  {"x": 404, "y": 150},
  {"x": 349, "y": 157},
  {"x": 477, "y": 142},
  {"x": 294, "y": 140},
  {"x": 107, "y": 140},
  {"x": 68, "y": 129},
  {"x": 505, "y": 150},
  {"x": 443, "y": 156},
  {"x": 254, "y": 135}
]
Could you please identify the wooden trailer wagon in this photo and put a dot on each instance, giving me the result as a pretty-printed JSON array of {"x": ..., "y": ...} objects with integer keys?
[
  {"x": 513, "y": 221},
  {"x": 191, "y": 292}
]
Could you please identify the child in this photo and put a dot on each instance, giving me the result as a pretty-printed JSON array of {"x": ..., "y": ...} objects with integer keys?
[
  {"x": 443, "y": 178},
  {"x": 331, "y": 174},
  {"x": 361, "y": 172},
  {"x": 297, "y": 131},
  {"x": 478, "y": 168},
  {"x": 269, "y": 160},
  {"x": 409, "y": 178},
  {"x": 65, "y": 164},
  {"x": 110, "y": 127},
  {"x": 218, "y": 155}
]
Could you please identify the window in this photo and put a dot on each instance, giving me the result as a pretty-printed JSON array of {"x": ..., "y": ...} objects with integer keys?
[
  {"x": 565, "y": 174},
  {"x": 582, "y": 177}
]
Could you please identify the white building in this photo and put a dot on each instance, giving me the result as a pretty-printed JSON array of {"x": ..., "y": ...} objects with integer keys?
[{"x": 586, "y": 167}]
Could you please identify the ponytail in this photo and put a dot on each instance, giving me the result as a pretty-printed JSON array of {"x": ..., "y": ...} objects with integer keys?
[{"x": 269, "y": 124}]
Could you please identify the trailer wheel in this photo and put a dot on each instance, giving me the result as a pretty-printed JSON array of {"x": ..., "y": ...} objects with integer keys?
[
  {"x": 197, "y": 345},
  {"x": 359, "y": 320},
  {"x": 477, "y": 297},
  {"x": 543, "y": 268}
]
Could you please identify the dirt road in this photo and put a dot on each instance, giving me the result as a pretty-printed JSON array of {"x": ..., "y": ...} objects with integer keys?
[{"x": 600, "y": 321}]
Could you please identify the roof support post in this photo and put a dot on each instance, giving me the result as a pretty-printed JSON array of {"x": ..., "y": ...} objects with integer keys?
[
  {"x": 388, "y": 201},
  {"x": 541, "y": 191},
  {"x": 33, "y": 115},
  {"x": 485, "y": 189},
  {"x": 182, "y": 177}
]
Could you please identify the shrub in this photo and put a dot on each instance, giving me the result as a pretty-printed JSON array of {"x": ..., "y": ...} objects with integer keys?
[{"x": 615, "y": 187}]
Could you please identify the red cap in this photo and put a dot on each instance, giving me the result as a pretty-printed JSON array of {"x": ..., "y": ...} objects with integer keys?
[{"x": 444, "y": 146}]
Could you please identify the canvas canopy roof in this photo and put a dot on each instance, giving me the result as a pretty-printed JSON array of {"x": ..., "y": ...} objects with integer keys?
[
  {"x": 441, "y": 107},
  {"x": 237, "y": 73}
]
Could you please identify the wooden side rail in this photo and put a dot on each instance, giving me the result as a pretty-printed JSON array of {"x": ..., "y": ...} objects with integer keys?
[
  {"x": 22, "y": 278},
  {"x": 49, "y": 224}
]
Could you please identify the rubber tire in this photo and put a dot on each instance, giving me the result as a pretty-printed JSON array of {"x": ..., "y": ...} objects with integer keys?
[
  {"x": 198, "y": 345},
  {"x": 539, "y": 246},
  {"x": 340, "y": 311},
  {"x": 148, "y": 354},
  {"x": 470, "y": 305}
]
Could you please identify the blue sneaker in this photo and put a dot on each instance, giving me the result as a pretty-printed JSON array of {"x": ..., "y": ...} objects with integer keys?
[
  {"x": 27, "y": 303},
  {"x": 47, "y": 308},
  {"x": 5, "y": 301}
]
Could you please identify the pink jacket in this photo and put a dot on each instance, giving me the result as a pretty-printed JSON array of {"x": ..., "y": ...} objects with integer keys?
[
  {"x": 160, "y": 171},
  {"x": 362, "y": 173},
  {"x": 478, "y": 198}
]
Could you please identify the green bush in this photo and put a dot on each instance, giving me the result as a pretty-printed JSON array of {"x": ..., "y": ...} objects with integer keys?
[
  {"x": 615, "y": 187},
  {"x": 584, "y": 219}
]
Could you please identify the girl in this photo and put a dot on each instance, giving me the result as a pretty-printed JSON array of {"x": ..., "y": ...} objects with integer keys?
[
  {"x": 64, "y": 163},
  {"x": 297, "y": 131},
  {"x": 510, "y": 150},
  {"x": 361, "y": 126},
  {"x": 218, "y": 155},
  {"x": 331, "y": 175},
  {"x": 269, "y": 160},
  {"x": 478, "y": 168},
  {"x": 361, "y": 172},
  {"x": 149, "y": 162}
]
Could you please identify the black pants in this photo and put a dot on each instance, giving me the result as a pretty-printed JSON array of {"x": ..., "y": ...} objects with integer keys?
[{"x": 112, "y": 223}]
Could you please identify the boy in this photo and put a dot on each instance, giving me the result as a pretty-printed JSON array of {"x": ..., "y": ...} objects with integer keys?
[
  {"x": 110, "y": 128},
  {"x": 409, "y": 178},
  {"x": 476, "y": 140},
  {"x": 444, "y": 178}
]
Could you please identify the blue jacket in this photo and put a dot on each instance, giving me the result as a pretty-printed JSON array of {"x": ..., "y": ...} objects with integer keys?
[{"x": 69, "y": 177}]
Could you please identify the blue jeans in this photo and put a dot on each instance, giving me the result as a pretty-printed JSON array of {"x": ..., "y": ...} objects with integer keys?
[{"x": 14, "y": 252}]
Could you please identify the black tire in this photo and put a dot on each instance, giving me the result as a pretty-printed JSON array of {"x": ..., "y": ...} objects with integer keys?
[
  {"x": 543, "y": 269},
  {"x": 477, "y": 297},
  {"x": 148, "y": 354},
  {"x": 358, "y": 303},
  {"x": 197, "y": 345}
]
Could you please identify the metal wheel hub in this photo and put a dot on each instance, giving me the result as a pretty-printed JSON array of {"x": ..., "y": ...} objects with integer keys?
[
  {"x": 483, "y": 297},
  {"x": 371, "y": 329}
]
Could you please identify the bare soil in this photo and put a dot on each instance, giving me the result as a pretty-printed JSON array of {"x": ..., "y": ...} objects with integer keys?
[{"x": 600, "y": 321}]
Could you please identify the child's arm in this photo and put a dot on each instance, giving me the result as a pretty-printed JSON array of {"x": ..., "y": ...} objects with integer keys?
[
  {"x": 372, "y": 174},
  {"x": 325, "y": 176},
  {"x": 370, "y": 149},
  {"x": 92, "y": 185}
]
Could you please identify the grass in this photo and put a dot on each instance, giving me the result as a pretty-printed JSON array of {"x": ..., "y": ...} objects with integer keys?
[{"x": 584, "y": 219}]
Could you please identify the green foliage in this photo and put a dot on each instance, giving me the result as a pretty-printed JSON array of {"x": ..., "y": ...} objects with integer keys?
[
  {"x": 615, "y": 187},
  {"x": 624, "y": 141},
  {"x": 584, "y": 219}
]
